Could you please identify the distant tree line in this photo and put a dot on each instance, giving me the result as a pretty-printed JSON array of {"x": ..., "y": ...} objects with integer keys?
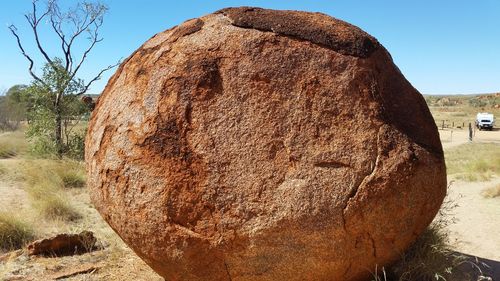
[{"x": 12, "y": 108}]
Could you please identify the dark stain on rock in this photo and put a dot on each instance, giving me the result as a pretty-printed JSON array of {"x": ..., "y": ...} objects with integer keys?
[
  {"x": 140, "y": 72},
  {"x": 166, "y": 140},
  {"x": 328, "y": 32},
  {"x": 206, "y": 78}
]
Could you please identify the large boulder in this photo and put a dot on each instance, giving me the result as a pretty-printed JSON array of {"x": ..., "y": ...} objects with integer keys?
[{"x": 254, "y": 144}]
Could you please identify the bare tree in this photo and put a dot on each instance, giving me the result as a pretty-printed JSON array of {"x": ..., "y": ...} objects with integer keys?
[{"x": 80, "y": 22}]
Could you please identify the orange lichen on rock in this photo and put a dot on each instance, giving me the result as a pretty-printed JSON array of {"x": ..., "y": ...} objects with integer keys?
[{"x": 254, "y": 144}]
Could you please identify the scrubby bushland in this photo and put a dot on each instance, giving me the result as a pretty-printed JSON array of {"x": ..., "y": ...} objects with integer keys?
[
  {"x": 12, "y": 109},
  {"x": 33, "y": 105},
  {"x": 53, "y": 90}
]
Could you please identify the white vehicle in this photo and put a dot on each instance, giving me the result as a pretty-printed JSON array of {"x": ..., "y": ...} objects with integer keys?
[{"x": 485, "y": 121}]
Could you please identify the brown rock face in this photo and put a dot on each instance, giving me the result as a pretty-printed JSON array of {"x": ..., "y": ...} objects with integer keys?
[{"x": 254, "y": 144}]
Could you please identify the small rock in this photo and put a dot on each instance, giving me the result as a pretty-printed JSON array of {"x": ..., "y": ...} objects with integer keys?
[{"x": 64, "y": 244}]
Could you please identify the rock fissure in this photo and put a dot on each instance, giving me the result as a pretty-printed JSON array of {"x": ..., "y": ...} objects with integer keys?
[
  {"x": 227, "y": 271},
  {"x": 373, "y": 246},
  {"x": 188, "y": 231},
  {"x": 354, "y": 191},
  {"x": 331, "y": 164},
  {"x": 348, "y": 268}
]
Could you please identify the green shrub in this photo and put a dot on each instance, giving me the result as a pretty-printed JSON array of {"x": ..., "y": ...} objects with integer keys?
[
  {"x": 14, "y": 233},
  {"x": 75, "y": 147},
  {"x": 475, "y": 102},
  {"x": 43, "y": 147}
]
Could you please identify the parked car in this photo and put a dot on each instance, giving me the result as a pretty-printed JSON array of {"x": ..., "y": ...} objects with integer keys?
[{"x": 485, "y": 121}]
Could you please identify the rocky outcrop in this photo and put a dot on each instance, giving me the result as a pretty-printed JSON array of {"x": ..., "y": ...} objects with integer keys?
[{"x": 253, "y": 144}]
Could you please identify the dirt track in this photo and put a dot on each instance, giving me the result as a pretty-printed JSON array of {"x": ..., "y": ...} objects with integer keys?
[
  {"x": 476, "y": 231},
  {"x": 451, "y": 138}
]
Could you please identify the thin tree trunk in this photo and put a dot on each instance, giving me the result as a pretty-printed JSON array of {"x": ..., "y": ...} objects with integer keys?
[{"x": 58, "y": 132}]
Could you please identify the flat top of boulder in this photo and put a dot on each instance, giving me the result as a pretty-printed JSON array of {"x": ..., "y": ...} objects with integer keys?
[{"x": 317, "y": 28}]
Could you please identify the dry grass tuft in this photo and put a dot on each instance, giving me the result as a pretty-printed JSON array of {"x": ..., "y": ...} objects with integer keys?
[
  {"x": 45, "y": 181},
  {"x": 14, "y": 233},
  {"x": 473, "y": 161},
  {"x": 53, "y": 206},
  {"x": 12, "y": 144},
  {"x": 429, "y": 258},
  {"x": 57, "y": 173},
  {"x": 73, "y": 179},
  {"x": 491, "y": 192},
  {"x": 72, "y": 174}
]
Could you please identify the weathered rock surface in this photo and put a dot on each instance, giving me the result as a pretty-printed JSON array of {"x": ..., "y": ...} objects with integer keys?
[{"x": 254, "y": 144}]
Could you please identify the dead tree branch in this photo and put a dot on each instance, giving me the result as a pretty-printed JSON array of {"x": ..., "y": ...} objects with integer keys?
[
  {"x": 97, "y": 77},
  {"x": 13, "y": 29},
  {"x": 69, "y": 27}
]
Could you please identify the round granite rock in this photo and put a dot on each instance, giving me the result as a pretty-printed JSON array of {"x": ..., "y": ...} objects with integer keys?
[{"x": 255, "y": 144}]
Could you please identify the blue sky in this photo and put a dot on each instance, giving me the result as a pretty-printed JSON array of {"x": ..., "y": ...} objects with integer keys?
[{"x": 442, "y": 47}]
